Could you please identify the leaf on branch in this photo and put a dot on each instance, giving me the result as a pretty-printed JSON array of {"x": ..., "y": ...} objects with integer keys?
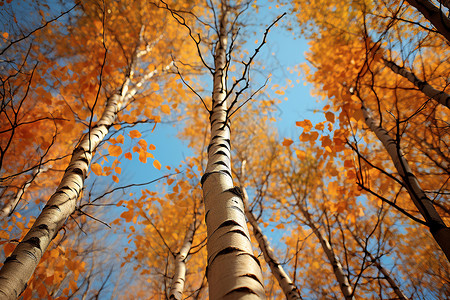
[
  {"x": 97, "y": 169},
  {"x": 114, "y": 150},
  {"x": 135, "y": 134}
]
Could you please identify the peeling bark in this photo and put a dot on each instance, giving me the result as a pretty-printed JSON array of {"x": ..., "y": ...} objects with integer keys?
[
  {"x": 289, "y": 289},
  {"x": 438, "y": 229},
  {"x": 233, "y": 271},
  {"x": 179, "y": 277},
  {"x": 20, "y": 265},
  {"x": 433, "y": 14},
  {"x": 440, "y": 96}
]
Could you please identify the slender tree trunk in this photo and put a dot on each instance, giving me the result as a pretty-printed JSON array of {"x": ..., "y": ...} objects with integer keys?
[
  {"x": 433, "y": 14},
  {"x": 233, "y": 271},
  {"x": 338, "y": 271},
  {"x": 179, "y": 277},
  {"x": 440, "y": 96},
  {"x": 9, "y": 207},
  {"x": 20, "y": 265},
  {"x": 438, "y": 229},
  {"x": 383, "y": 271},
  {"x": 289, "y": 289}
]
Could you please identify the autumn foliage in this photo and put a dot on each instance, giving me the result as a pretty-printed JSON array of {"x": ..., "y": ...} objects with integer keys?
[{"x": 352, "y": 203}]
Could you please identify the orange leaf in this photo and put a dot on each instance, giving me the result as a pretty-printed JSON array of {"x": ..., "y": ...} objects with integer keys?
[
  {"x": 128, "y": 155},
  {"x": 165, "y": 109},
  {"x": 114, "y": 150},
  {"x": 120, "y": 139},
  {"x": 151, "y": 147},
  {"x": 157, "y": 164},
  {"x": 329, "y": 116},
  {"x": 115, "y": 178},
  {"x": 135, "y": 134},
  {"x": 97, "y": 169},
  {"x": 305, "y": 124},
  {"x": 118, "y": 170},
  {"x": 287, "y": 142}
]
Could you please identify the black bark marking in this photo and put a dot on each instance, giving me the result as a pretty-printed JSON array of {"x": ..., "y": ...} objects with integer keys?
[
  {"x": 236, "y": 191},
  {"x": 252, "y": 256},
  {"x": 12, "y": 258},
  {"x": 240, "y": 232},
  {"x": 202, "y": 180},
  {"x": 53, "y": 206},
  {"x": 237, "y": 208},
  {"x": 206, "y": 175},
  {"x": 43, "y": 227},
  {"x": 243, "y": 289},
  {"x": 221, "y": 152},
  {"x": 253, "y": 276},
  {"x": 35, "y": 242},
  {"x": 228, "y": 223},
  {"x": 228, "y": 141},
  {"x": 224, "y": 145},
  {"x": 78, "y": 171},
  {"x": 216, "y": 137},
  {"x": 221, "y": 163}
]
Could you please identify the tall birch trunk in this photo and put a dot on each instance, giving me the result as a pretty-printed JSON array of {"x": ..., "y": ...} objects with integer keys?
[
  {"x": 20, "y": 265},
  {"x": 287, "y": 285},
  {"x": 440, "y": 96},
  {"x": 233, "y": 271},
  {"x": 179, "y": 277},
  {"x": 438, "y": 229},
  {"x": 433, "y": 14}
]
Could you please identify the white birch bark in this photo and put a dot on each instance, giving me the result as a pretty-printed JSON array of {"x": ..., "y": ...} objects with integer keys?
[
  {"x": 20, "y": 265},
  {"x": 438, "y": 229},
  {"x": 9, "y": 207},
  {"x": 440, "y": 96},
  {"x": 233, "y": 271},
  {"x": 179, "y": 277},
  {"x": 433, "y": 14},
  {"x": 289, "y": 289},
  {"x": 338, "y": 270}
]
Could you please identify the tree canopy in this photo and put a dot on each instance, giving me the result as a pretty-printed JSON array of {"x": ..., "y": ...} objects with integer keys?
[{"x": 143, "y": 152}]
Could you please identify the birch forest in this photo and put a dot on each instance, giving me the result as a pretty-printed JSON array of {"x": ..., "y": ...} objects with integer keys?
[{"x": 225, "y": 149}]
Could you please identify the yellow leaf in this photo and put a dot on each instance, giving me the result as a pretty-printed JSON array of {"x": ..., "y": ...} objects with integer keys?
[
  {"x": 157, "y": 164},
  {"x": 114, "y": 150},
  {"x": 97, "y": 169},
  {"x": 135, "y": 134}
]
